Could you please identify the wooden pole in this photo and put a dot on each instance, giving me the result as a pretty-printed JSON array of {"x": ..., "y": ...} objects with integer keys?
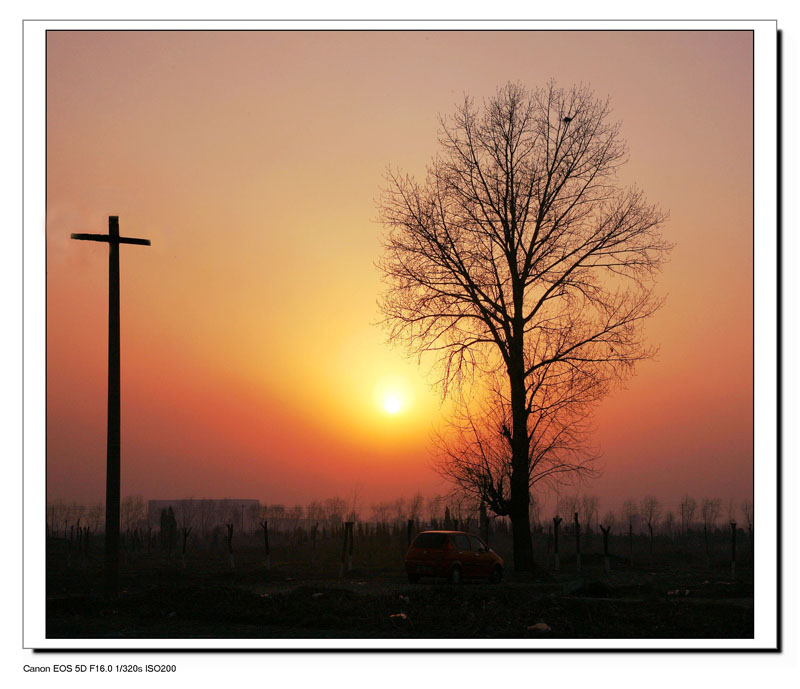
[
  {"x": 265, "y": 527},
  {"x": 230, "y": 544},
  {"x": 630, "y": 541},
  {"x": 733, "y": 550},
  {"x": 556, "y": 561},
  {"x": 344, "y": 551},
  {"x": 113, "y": 428},
  {"x": 186, "y": 530},
  {"x": 484, "y": 523},
  {"x": 111, "y": 570},
  {"x": 349, "y": 527},
  {"x": 606, "y": 561},
  {"x": 577, "y": 543}
]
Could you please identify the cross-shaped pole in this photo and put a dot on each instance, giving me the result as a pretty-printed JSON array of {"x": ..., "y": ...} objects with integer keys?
[{"x": 113, "y": 436}]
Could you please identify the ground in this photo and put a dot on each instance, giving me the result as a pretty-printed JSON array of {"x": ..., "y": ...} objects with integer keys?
[{"x": 654, "y": 598}]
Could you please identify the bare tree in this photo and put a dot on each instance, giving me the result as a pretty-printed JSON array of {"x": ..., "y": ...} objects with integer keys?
[
  {"x": 293, "y": 516},
  {"x": 709, "y": 510},
  {"x": 631, "y": 513},
  {"x": 207, "y": 516},
  {"x": 610, "y": 520},
  {"x": 588, "y": 510},
  {"x": 398, "y": 510},
  {"x": 434, "y": 506},
  {"x": 669, "y": 524},
  {"x": 475, "y": 449},
  {"x": 521, "y": 253},
  {"x": 567, "y": 505},
  {"x": 315, "y": 512},
  {"x": 132, "y": 512},
  {"x": 380, "y": 513},
  {"x": 688, "y": 508},
  {"x": 354, "y": 509},
  {"x": 536, "y": 512},
  {"x": 335, "y": 510},
  {"x": 651, "y": 512},
  {"x": 253, "y": 517},
  {"x": 96, "y": 514},
  {"x": 747, "y": 511},
  {"x": 415, "y": 507},
  {"x": 185, "y": 515},
  {"x": 275, "y": 513},
  {"x": 732, "y": 508}
]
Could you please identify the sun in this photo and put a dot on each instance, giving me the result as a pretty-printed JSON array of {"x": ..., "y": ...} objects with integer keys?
[
  {"x": 393, "y": 395},
  {"x": 392, "y": 404}
]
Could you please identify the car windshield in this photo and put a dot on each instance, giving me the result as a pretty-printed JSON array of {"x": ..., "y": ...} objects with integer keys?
[
  {"x": 430, "y": 540},
  {"x": 460, "y": 541},
  {"x": 476, "y": 543}
]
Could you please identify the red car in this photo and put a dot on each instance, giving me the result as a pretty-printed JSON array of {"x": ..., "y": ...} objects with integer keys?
[{"x": 454, "y": 555}]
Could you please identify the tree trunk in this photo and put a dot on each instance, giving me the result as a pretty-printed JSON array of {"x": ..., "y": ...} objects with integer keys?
[
  {"x": 484, "y": 523},
  {"x": 520, "y": 471}
]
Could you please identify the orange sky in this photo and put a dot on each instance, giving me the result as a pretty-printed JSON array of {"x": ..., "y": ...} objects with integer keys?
[{"x": 252, "y": 160}]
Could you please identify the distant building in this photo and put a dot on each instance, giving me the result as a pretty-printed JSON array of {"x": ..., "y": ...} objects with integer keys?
[{"x": 205, "y": 514}]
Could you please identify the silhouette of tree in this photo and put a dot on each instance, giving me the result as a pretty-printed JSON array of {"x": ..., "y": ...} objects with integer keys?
[
  {"x": 651, "y": 512},
  {"x": 522, "y": 253},
  {"x": 132, "y": 512},
  {"x": 669, "y": 524},
  {"x": 415, "y": 507},
  {"x": 630, "y": 511},
  {"x": 588, "y": 510},
  {"x": 335, "y": 511},
  {"x": 475, "y": 451},
  {"x": 688, "y": 508},
  {"x": 610, "y": 520},
  {"x": 169, "y": 529},
  {"x": 747, "y": 511},
  {"x": 709, "y": 510}
]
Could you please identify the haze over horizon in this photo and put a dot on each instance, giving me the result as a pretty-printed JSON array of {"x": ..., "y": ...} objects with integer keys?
[{"x": 251, "y": 363}]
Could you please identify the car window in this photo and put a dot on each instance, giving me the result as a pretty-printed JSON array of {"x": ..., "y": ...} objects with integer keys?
[
  {"x": 460, "y": 541},
  {"x": 476, "y": 543},
  {"x": 430, "y": 540}
]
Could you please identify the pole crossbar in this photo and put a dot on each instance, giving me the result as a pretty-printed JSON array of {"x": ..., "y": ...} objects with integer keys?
[{"x": 106, "y": 238}]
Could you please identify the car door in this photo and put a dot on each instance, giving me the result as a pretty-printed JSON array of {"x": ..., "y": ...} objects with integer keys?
[
  {"x": 463, "y": 553},
  {"x": 482, "y": 561}
]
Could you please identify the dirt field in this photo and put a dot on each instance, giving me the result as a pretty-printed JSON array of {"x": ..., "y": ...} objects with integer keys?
[{"x": 672, "y": 596}]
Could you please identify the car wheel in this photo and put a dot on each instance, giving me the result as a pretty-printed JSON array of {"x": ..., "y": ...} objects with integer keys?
[
  {"x": 496, "y": 576},
  {"x": 413, "y": 578},
  {"x": 455, "y": 575}
]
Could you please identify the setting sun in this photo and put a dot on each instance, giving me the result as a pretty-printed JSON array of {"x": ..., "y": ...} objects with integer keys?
[
  {"x": 395, "y": 394},
  {"x": 392, "y": 404}
]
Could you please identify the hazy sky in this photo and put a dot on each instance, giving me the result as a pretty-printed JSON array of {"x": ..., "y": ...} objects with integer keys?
[{"x": 251, "y": 367}]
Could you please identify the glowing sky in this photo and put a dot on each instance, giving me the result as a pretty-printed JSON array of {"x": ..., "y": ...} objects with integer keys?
[{"x": 251, "y": 365}]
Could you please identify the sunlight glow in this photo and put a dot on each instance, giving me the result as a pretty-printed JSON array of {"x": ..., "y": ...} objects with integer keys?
[
  {"x": 394, "y": 394},
  {"x": 392, "y": 404}
]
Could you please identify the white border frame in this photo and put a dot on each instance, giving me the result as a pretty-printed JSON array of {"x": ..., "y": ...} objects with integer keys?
[{"x": 765, "y": 339}]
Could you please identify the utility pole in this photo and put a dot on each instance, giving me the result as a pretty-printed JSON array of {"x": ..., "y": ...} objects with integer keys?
[{"x": 113, "y": 433}]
